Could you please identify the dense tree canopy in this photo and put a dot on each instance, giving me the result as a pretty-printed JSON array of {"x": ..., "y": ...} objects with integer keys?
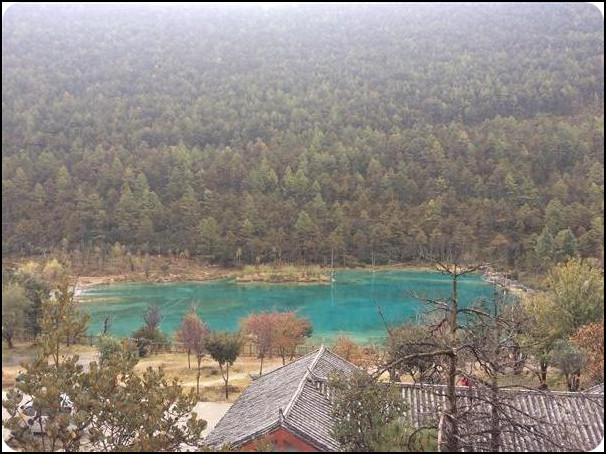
[{"x": 250, "y": 134}]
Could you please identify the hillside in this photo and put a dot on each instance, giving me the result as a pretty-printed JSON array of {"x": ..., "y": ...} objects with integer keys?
[{"x": 251, "y": 135}]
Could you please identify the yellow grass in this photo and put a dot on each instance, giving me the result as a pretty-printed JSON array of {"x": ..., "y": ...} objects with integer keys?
[
  {"x": 283, "y": 273},
  {"x": 175, "y": 365},
  {"x": 211, "y": 382}
]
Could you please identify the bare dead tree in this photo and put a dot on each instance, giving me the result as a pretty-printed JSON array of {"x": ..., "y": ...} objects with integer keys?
[
  {"x": 488, "y": 336},
  {"x": 455, "y": 269},
  {"x": 444, "y": 343},
  {"x": 479, "y": 344}
]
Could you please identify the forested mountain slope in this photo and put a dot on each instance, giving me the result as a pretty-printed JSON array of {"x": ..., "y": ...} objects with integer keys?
[{"x": 245, "y": 133}]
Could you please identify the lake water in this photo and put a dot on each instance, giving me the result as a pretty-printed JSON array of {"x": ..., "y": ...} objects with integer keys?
[{"x": 349, "y": 306}]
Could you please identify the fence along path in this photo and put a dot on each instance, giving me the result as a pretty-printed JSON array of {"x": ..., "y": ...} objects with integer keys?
[{"x": 249, "y": 349}]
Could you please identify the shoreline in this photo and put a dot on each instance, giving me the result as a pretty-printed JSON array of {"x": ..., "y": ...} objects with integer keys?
[
  {"x": 510, "y": 285},
  {"x": 85, "y": 282}
]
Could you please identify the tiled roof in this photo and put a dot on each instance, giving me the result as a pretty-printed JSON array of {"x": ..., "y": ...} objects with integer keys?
[
  {"x": 530, "y": 420},
  {"x": 295, "y": 397},
  {"x": 291, "y": 397},
  {"x": 597, "y": 389}
]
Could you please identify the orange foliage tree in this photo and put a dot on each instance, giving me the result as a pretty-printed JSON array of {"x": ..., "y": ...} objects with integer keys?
[
  {"x": 260, "y": 329},
  {"x": 193, "y": 333},
  {"x": 590, "y": 338},
  {"x": 346, "y": 349},
  {"x": 290, "y": 331},
  {"x": 354, "y": 353},
  {"x": 279, "y": 331}
]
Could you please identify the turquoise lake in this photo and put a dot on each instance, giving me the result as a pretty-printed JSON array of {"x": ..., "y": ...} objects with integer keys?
[{"x": 348, "y": 306}]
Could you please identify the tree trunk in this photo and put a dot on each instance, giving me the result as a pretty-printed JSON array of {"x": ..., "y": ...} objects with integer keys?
[
  {"x": 519, "y": 360},
  {"x": 56, "y": 353},
  {"x": 450, "y": 420},
  {"x": 452, "y": 427},
  {"x": 9, "y": 340},
  {"x": 573, "y": 381},
  {"x": 226, "y": 378},
  {"x": 261, "y": 369},
  {"x": 293, "y": 353},
  {"x": 198, "y": 375},
  {"x": 188, "y": 358},
  {"x": 394, "y": 376},
  {"x": 543, "y": 374}
]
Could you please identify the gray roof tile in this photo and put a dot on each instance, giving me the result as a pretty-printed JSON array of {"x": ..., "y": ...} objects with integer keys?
[
  {"x": 532, "y": 420},
  {"x": 292, "y": 390},
  {"x": 296, "y": 398},
  {"x": 597, "y": 389}
]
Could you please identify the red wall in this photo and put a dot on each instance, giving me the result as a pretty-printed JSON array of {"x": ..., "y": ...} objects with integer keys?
[{"x": 284, "y": 441}]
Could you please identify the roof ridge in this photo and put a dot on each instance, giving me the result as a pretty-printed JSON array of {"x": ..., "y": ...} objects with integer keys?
[
  {"x": 343, "y": 359},
  {"x": 297, "y": 393},
  {"x": 286, "y": 365},
  {"x": 596, "y": 389}
]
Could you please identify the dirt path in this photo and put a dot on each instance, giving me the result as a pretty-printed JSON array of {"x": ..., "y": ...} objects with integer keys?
[
  {"x": 216, "y": 381},
  {"x": 211, "y": 412},
  {"x": 235, "y": 376}
]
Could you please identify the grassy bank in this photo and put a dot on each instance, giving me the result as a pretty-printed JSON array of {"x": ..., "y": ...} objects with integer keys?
[{"x": 286, "y": 273}]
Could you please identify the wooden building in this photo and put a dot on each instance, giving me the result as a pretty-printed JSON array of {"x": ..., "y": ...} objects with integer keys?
[{"x": 291, "y": 408}]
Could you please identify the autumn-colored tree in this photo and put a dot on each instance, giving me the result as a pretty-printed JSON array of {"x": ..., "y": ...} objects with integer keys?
[
  {"x": 225, "y": 349},
  {"x": 179, "y": 336},
  {"x": 354, "y": 353},
  {"x": 590, "y": 338},
  {"x": 261, "y": 331},
  {"x": 193, "y": 333},
  {"x": 346, "y": 348},
  {"x": 290, "y": 331}
]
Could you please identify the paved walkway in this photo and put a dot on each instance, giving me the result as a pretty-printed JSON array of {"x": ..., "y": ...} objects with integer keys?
[{"x": 211, "y": 412}]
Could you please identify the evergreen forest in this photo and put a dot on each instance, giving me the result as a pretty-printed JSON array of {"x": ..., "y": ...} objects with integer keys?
[{"x": 292, "y": 134}]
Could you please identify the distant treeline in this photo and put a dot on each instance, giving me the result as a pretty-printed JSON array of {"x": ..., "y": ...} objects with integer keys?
[{"x": 287, "y": 134}]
